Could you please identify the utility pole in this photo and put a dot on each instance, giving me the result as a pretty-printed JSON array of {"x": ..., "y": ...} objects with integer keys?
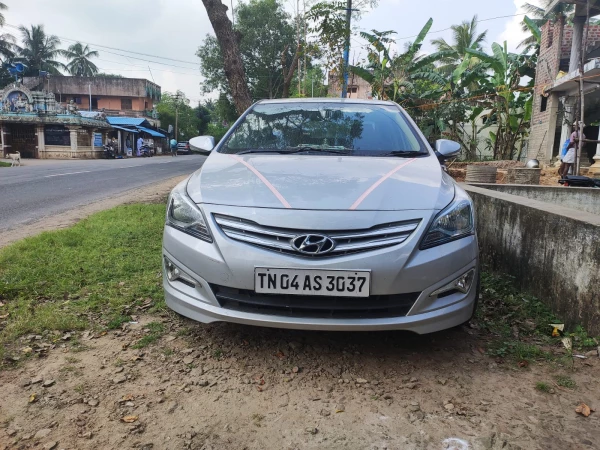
[
  {"x": 577, "y": 164},
  {"x": 347, "y": 48},
  {"x": 176, "y": 116},
  {"x": 298, "y": 33}
]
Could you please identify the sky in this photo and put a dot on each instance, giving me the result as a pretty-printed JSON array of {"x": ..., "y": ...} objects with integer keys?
[{"x": 175, "y": 28}]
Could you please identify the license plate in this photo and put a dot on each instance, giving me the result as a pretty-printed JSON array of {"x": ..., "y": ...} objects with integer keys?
[{"x": 334, "y": 283}]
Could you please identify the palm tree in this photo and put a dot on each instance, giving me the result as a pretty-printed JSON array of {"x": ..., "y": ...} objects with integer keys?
[
  {"x": 7, "y": 41},
  {"x": 39, "y": 50},
  {"x": 79, "y": 60},
  {"x": 396, "y": 77},
  {"x": 3, "y": 7},
  {"x": 539, "y": 16},
  {"x": 464, "y": 36}
]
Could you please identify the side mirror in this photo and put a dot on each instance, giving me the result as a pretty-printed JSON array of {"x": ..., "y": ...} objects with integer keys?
[
  {"x": 447, "y": 148},
  {"x": 202, "y": 143}
]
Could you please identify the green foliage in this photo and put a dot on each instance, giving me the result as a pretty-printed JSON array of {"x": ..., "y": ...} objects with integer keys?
[
  {"x": 154, "y": 330},
  {"x": 543, "y": 387},
  {"x": 39, "y": 51},
  {"x": 566, "y": 382},
  {"x": 188, "y": 123},
  {"x": 79, "y": 60},
  {"x": 91, "y": 272},
  {"x": 262, "y": 52}
]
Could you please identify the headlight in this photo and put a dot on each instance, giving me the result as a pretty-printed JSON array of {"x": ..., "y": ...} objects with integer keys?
[
  {"x": 454, "y": 222},
  {"x": 184, "y": 215}
]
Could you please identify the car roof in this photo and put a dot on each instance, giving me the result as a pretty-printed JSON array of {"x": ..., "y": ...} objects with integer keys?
[{"x": 327, "y": 100}]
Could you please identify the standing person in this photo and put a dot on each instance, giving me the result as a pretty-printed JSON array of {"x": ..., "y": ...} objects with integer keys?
[
  {"x": 569, "y": 159},
  {"x": 128, "y": 146},
  {"x": 140, "y": 143},
  {"x": 173, "y": 144}
]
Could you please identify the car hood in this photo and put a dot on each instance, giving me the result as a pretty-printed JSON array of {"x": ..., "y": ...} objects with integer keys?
[{"x": 321, "y": 182}]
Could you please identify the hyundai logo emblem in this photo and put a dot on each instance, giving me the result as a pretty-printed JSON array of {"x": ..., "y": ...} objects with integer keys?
[{"x": 312, "y": 244}]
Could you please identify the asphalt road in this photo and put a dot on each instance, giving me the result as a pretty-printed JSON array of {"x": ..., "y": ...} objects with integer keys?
[{"x": 42, "y": 188}]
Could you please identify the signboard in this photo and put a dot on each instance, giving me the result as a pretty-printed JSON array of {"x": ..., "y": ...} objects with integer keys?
[
  {"x": 57, "y": 135},
  {"x": 97, "y": 139}
]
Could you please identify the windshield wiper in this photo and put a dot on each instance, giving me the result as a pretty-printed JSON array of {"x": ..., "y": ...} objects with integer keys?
[
  {"x": 403, "y": 153},
  {"x": 320, "y": 149},
  {"x": 261, "y": 150}
]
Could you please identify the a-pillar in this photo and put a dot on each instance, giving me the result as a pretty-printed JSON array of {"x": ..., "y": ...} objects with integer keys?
[
  {"x": 578, "y": 24},
  {"x": 41, "y": 147},
  {"x": 73, "y": 136}
]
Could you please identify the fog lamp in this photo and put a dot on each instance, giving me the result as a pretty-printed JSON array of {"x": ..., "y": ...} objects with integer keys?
[
  {"x": 174, "y": 273},
  {"x": 461, "y": 284}
]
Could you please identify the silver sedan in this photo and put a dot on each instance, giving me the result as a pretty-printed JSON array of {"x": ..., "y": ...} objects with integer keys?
[{"x": 322, "y": 214}]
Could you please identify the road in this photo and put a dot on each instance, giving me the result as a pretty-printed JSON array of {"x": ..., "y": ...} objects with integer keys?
[{"x": 42, "y": 188}]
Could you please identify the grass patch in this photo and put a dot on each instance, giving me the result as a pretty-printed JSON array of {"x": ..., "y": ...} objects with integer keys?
[
  {"x": 543, "y": 387},
  {"x": 155, "y": 331},
  {"x": 117, "y": 321},
  {"x": 519, "y": 323},
  {"x": 92, "y": 273},
  {"x": 4, "y": 164},
  {"x": 566, "y": 382}
]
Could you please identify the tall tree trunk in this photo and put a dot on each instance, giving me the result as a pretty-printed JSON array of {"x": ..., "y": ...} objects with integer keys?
[
  {"x": 232, "y": 58},
  {"x": 288, "y": 74}
]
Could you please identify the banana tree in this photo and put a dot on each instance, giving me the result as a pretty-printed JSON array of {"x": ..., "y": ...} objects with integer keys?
[
  {"x": 509, "y": 101},
  {"x": 394, "y": 77}
]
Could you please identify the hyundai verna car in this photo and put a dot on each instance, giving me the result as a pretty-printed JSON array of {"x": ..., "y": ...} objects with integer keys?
[{"x": 323, "y": 214}]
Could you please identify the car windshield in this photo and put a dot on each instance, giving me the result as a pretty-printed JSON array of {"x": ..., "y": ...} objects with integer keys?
[{"x": 357, "y": 129}]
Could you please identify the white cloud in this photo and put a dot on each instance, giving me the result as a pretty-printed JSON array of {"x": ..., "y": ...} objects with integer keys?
[{"x": 513, "y": 34}]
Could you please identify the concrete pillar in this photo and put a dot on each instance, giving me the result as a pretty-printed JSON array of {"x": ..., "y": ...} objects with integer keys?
[
  {"x": 92, "y": 135},
  {"x": 41, "y": 147},
  {"x": 595, "y": 168},
  {"x": 578, "y": 24},
  {"x": 548, "y": 144},
  {"x": 2, "y": 140},
  {"x": 567, "y": 123},
  {"x": 73, "y": 135}
]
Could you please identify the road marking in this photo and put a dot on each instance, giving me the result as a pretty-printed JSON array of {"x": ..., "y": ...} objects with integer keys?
[{"x": 70, "y": 173}]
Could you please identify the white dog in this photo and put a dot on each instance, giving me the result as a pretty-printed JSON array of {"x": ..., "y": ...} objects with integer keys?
[{"x": 16, "y": 158}]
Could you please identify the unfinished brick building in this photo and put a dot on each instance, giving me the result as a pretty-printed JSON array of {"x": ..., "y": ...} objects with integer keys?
[{"x": 557, "y": 86}]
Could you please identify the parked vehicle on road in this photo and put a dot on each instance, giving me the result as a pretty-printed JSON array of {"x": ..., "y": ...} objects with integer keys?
[
  {"x": 183, "y": 148},
  {"x": 146, "y": 151},
  {"x": 322, "y": 214},
  {"x": 109, "y": 152}
]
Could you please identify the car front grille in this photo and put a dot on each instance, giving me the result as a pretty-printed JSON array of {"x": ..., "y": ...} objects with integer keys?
[
  {"x": 348, "y": 241},
  {"x": 376, "y": 306}
]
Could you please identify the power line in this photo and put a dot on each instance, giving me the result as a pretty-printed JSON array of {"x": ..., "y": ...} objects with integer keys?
[{"x": 118, "y": 49}]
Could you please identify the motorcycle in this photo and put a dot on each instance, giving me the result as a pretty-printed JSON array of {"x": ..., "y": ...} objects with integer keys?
[
  {"x": 579, "y": 181},
  {"x": 145, "y": 151},
  {"x": 109, "y": 152}
]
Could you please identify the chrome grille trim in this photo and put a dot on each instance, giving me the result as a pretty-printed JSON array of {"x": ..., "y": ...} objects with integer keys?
[{"x": 347, "y": 241}]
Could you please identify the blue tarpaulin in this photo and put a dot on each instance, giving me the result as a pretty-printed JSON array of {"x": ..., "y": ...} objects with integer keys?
[
  {"x": 127, "y": 121},
  {"x": 151, "y": 132}
]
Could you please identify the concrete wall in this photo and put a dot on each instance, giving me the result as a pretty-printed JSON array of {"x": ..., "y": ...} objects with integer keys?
[
  {"x": 552, "y": 251},
  {"x": 578, "y": 199},
  {"x": 66, "y": 152},
  {"x": 100, "y": 87}
]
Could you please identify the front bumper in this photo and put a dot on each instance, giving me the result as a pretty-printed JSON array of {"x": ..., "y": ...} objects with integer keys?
[{"x": 395, "y": 270}]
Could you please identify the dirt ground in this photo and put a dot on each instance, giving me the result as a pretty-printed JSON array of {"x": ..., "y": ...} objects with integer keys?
[{"x": 225, "y": 386}]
